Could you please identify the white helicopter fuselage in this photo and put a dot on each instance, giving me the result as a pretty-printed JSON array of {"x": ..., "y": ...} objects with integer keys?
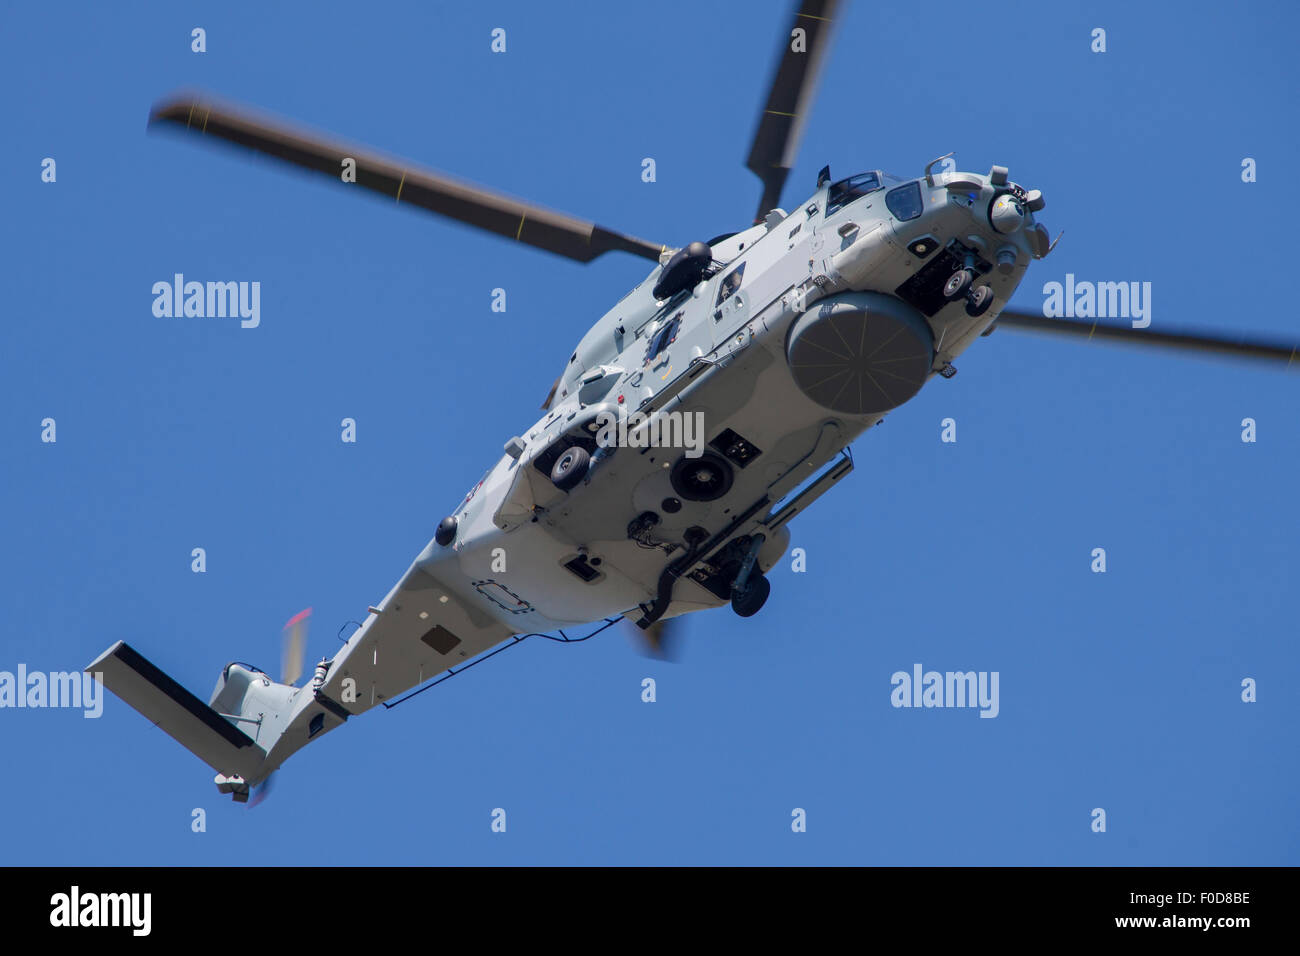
[
  {"x": 728, "y": 364},
  {"x": 786, "y": 342}
]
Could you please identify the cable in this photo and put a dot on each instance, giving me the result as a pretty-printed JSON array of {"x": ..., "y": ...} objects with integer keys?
[{"x": 516, "y": 639}]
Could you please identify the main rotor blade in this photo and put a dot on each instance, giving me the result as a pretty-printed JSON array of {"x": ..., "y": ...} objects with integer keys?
[
  {"x": 1239, "y": 347},
  {"x": 781, "y": 123},
  {"x": 512, "y": 218},
  {"x": 550, "y": 396}
]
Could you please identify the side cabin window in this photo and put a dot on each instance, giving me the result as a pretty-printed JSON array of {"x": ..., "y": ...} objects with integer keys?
[
  {"x": 846, "y": 190},
  {"x": 730, "y": 283}
]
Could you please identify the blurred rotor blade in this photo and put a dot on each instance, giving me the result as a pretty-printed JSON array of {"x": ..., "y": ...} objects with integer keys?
[
  {"x": 262, "y": 790},
  {"x": 550, "y": 396},
  {"x": 294, "y": 642},
  {"x": 660, "y": 639},
  {"x": 776, "y": 140},
  {"x": 1230, "y": 346},
  {"x": 474, "y": 205}
]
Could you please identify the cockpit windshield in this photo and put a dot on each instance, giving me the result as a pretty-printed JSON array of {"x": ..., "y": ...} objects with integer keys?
[{"x": 846, "y": 190}]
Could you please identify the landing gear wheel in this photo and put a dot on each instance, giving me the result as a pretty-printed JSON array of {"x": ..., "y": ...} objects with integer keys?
[
  {"x": 750, "y": 601},
  {"x": 570, "y": 468},
  {"x": 706, "y": 478},
  {"x": 978, "y": 301},
  {"x": 957, "y": 284}
]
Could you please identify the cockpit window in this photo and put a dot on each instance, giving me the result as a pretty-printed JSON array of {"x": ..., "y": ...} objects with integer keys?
[
  {"x": 728, "y": 286},
  {"x": 847, "y": 190},
  {"x": 905, "y": 201}
]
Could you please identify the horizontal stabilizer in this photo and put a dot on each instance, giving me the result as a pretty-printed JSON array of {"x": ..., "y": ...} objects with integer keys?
[{"x": 205, "y": 733}]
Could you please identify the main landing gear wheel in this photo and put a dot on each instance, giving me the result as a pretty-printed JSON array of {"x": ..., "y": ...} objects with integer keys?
[
  {"x": 978, "y": 301},
  {"x": 750, "y": 599},
  {"x": 957, "y": 284},
  {"x": 570, "y": 468}
]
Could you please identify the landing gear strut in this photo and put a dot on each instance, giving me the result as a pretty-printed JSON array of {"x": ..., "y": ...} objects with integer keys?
[{"x": 750, "y": 589}]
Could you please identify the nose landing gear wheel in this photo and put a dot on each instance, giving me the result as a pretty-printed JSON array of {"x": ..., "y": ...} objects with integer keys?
[
  {"x": 978, "y": 301},
  {"x": 750, "y": 600},
  {"x": 570, "y": 468},
  {"x": 957, "y": 284}
]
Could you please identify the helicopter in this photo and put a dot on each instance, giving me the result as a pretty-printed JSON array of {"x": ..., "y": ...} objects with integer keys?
[{"x": 692, "y": 423}]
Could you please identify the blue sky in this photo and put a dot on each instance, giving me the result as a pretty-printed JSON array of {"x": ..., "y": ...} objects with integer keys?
[{"x": 1118, "y": 690}]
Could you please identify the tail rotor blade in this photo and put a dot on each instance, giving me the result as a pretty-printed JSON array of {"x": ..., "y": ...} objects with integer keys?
[
  {"x": 262, "y": 790},
  {"x": 293, "y": 645}
]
